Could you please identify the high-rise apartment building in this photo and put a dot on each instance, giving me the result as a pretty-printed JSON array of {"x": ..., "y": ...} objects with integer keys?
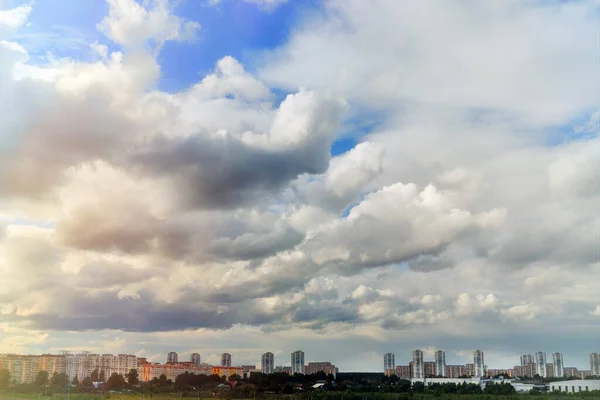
[
  {"x": 225, "y": 360},
  {"x": 389, "y": 364},
  {"x": 558, "y": 365},
  {"x": 595, "y": 364},
  {"x": 172, "y": 357},
  {"x": 527, "y": 359},
  {"x": 298, "y": 362},
  {"x": 440, "y": 363},
  {"x": 418, "y": 366},
  {"x": 540, "y": 364},
  {"x": 195, "y": 359},
  {"x": 478, "y": 364},
  {"x": 267, "y": 363}
]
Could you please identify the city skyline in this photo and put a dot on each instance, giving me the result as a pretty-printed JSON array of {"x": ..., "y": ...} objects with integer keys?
[
  {"x": 427, "y": 355},
  {"x": 350, "y": 178},
  {"x": 24, "y": 368}
]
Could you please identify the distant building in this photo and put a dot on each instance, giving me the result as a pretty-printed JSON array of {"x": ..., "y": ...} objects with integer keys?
[
  {"x": 195, "y": 359},
  {"x": 524, "y": 370},
  {"x": 172, "y": 357},
  {"x": 225, "y": 360},
  {"x": 527, "y": 359},
  {"x": 389, "y": 364},
  {"x": 456, "y": 371},
  {"x": 283, "y": 370},
  {"x": 575, "y": 386},
  {"x": 267, "y": 363},
  {"x": 470, "y": 369},
  {"x": 571, "y": 372},
  {"x": 440, "y": 363},
  {"x": 403, "y": 371},
  {"x": 297, "y": 362},
  {"x": 549, "y": 370},
  {"x": 321, "y": 366},
  {"x": 557, "y": 365},
  {"x": 149, "y": 371},
  {"x": 247, "y": 369},
  {"x": 479, "y": 364},
  {"x": 585, "y": 374},
  {"x": 227, "y": 371},
  {"x": 540, "y": 364},
  {"x": 507, "y": 373},
  {"x": 418, "y": 367},
  {"x": 429, "y": 369},
  {"x": 595, "y": 364}
]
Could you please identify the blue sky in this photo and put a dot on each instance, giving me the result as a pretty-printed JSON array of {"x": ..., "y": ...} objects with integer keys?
[{"x": 235, "y": 28}]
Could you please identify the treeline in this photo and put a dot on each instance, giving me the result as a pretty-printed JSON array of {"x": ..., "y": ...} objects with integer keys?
[{"x": 60, "y": 383}]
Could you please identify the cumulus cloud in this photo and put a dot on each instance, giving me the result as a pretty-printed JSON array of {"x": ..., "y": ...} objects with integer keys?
[
  {"x": 14, "y": 18},
  {"x": 220, "y": 208},
  {"x": 132, "y": 24}
]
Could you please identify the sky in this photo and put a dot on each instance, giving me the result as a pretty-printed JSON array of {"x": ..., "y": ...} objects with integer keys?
[{"x": 344, "y": 177}]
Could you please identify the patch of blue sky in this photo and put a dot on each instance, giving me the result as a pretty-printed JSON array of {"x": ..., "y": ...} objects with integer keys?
[
  {"x": 230, "y": 28},
  {"x": 359, "y": 123},
  {"x": 62, "y": 28},
  {"x": 346, "y": 212},
  {"x": 584, "y": 127}
]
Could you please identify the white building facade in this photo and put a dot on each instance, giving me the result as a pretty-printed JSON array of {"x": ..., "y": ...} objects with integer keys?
[
  {"x": 558, "y": 366},
  {"x": 418, "y": 365},
  {"x": 389, "y": 363},
  {"x": 298, "y": 362},
  {"x": 267, "y": 362},
  {"x": 440, "y": 363},
  {"x": 540, "y": 364},
  {"x": 595, "y": 364},
  {"x": 478, "y": 364}
]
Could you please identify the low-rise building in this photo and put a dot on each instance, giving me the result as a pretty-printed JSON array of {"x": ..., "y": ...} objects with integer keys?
[
  {"x": 321, "y": 366},
  {"x": 227, "y": 371},
  {"x": 571, "y": 372},
  {"x": 149, "y": 371},
  {"x": 575, "y": 386},
  {"x": 403, "y": 371}
]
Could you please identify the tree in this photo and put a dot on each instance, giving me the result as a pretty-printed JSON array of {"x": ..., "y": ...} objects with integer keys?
[
  {"x": 41, "y": 379},
  {"x": 86, "y": 382},
  {"x": 4, "y": 379},
  {"x": 102, "y": 376},
  {"x": 419, "y": 387},
  {"x": 75, "y": 381},
  {"x": 132, "y": 377},
  {"x": 115, "y": 381},
  {"x": 94, "y": 375},
  {"x": 60, "y": 379}
]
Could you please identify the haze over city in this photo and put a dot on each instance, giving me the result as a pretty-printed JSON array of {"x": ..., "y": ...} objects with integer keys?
[{"x": 349, "y": 178}]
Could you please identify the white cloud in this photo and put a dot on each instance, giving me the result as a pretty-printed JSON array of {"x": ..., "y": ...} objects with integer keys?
[
  {"x": 14, "y": 18},
  {"x": 215, "y": 211},
  {"x": 132, "y": 24}
]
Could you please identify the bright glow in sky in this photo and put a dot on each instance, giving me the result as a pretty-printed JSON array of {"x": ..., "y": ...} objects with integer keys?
[{"x": 345, "y": 177}]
